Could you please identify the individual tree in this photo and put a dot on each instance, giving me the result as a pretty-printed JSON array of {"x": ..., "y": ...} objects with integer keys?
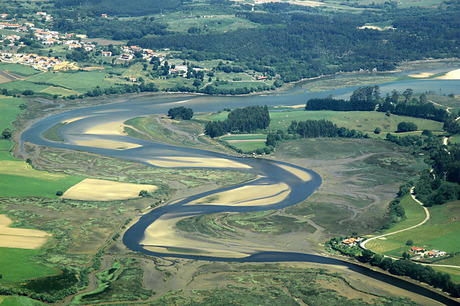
[
  {"x": 394, "y": 96},
  {"x": 377, "y": 130},
  {"x": 6, "y": 134},
  {"x": 423, "y": 99},
  {"x": 407, "y": 94},
  {"x": 409, "y": 242}
]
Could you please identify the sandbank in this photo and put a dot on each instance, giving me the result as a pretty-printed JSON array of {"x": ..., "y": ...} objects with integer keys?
[
  {"x": 20, "y": 237},
  {"x": 451, "y": 75},
  {"x": 107, "y": 144},
  {"x": 251, "y": 195},
  {"x": 421, "y": 75},
  {"x": 162, "y": 236},
  {"x": 73, "y": 119},
  {"x": 111, "y": 128},
  {"x": 102, "y": 190},
  {"x": 195, "y": 162},
  {"x": 303, "y": 175}
]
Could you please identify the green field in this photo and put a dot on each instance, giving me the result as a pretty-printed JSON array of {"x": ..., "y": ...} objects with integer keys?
[
  {"x": 21, "y": 86},
  {"x": 80, "y": 81},
  {"x": 365, "y": 122},
  {"x": 455, "y": 139},
  {"x": 245, "y": 137},
  {"x": 9, "y": 111},
  {"x": 439, "y": 232},
  {"x": 18, "y": 69},
  {"x": 41, "y": 183},
  {"x": 19, "y": 265},
  {"x": 18, "y": 300}
]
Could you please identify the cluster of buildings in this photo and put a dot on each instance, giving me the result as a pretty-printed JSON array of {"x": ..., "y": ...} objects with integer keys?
[
  {"x": 428, "y": 254},
  {"x": 352, "y": 241},
  {"x": 38, "y": 62}
]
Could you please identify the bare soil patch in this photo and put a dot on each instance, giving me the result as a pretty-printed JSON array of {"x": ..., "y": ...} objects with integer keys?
[
  {"x": 102, "y": 190},
  {"x": 20, "y": 237}
]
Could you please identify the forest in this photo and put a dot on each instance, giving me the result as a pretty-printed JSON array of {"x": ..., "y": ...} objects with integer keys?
[{"x": 302, "y": 45}]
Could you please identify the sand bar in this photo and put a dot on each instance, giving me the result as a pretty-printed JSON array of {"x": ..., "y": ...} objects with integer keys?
[
  {"x": 196, "y": 162},
  {"x": 451, "y": 75},
  {"x": 421, "y": 75},
  {"x": 303, "y": 175},
  {"x": 107, "y": 144},
  {"x": 111, "y": 128},
  {"x": 20, "y": 237},
  {"x": 102, "y": 190},
  {"x": 73, "y": 119},
  {"x": 251, "y": 195}
]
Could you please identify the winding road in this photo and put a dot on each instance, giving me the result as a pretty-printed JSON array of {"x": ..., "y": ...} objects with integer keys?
[{"x": 427, "y": 217}]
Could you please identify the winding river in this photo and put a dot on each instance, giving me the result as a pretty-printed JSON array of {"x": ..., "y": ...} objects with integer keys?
[{"x": 278, "y": 184}]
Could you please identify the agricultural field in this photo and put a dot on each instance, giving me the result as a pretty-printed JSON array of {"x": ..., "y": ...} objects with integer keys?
[
  {"x": 18, "y": 265},
  {"x": 80, "y": 81},
  {"x": 18, "y": 69},
  {"x": 7, "y": 300}
]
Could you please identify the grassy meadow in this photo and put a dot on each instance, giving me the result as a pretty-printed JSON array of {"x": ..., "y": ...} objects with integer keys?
[
  {"x": 7, "y": 300},
  {"x": 18, "y": 69},
  {"x": 18, "y": 265},
  {"x": 439, "y": 232}
]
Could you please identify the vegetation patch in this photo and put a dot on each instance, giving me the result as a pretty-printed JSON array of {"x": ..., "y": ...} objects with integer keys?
[
  {"x": 122, "y": 282},
  {"x": 52, "y": 133}
]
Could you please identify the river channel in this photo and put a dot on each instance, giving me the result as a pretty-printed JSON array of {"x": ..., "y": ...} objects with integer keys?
[{"x": 288, "y": 184}]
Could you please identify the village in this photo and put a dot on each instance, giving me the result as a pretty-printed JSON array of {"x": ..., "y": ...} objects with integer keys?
[{"x": 70, "y": 41}]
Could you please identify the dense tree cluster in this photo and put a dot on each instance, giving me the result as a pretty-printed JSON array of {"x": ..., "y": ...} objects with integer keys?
[
  {"x": 433, "y": 190},
  {"x": 184, "y": 113},
  {"x": 340, "y": 105},
  {"x": 110, "y": 28},
  {"x": 404, "y": 126},
  {"x": 427, "y": 110},
  {"x": 321, "y": 128},
  {"x": 243, "y": 120},
  {"x": 396, "y": 211}
]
